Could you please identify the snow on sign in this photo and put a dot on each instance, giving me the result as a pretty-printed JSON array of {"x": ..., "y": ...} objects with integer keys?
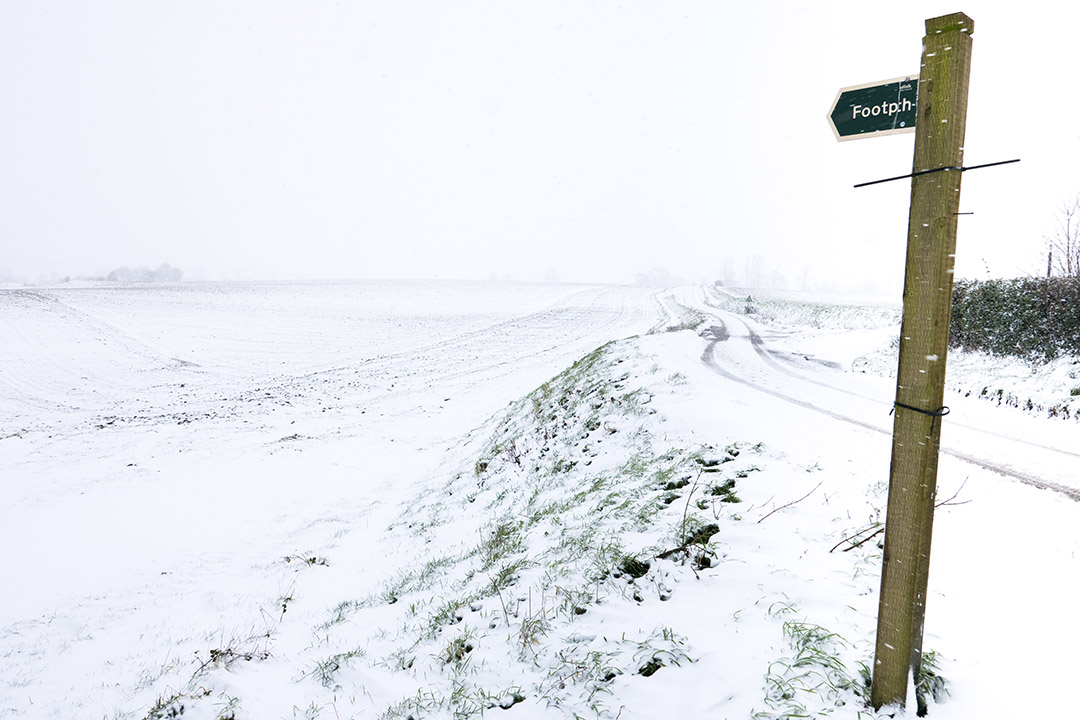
[{"x": 886, "y": 107}]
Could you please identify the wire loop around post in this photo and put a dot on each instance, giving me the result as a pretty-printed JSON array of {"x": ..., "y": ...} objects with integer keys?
[{"x": 934, "y": 414}]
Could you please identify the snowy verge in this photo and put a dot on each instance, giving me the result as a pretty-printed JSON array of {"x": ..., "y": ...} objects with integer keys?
[{"x": 1050, "y": 389}]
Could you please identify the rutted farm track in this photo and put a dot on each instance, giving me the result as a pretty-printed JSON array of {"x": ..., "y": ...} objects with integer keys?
[{"x": 739, "y": 353}]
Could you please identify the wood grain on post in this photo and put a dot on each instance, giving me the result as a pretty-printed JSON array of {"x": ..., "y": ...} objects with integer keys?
[{"x": 924, "y": 335}]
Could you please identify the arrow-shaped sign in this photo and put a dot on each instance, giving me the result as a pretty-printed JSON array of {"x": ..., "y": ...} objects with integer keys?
[{"x": 881, "y": 108}]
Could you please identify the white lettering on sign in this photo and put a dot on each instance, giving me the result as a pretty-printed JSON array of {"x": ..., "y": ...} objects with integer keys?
[{"x": 885, "y": 108}]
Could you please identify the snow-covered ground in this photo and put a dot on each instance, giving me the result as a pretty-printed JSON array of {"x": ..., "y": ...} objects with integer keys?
[
  {"x": 863, "y": 336},
  {"x": 439, "y": 500}
]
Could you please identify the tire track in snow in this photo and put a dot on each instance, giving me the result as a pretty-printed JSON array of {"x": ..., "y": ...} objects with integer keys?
[
  {"x": 773, "y": 359},
  {"x": 770, "y": 358},
  {"x": 709, "y": 359}
]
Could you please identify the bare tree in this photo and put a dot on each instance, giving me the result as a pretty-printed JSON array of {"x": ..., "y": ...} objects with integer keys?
[
  {"x": 752, "y": 267},
  {"x": 1063, "y": 247}
]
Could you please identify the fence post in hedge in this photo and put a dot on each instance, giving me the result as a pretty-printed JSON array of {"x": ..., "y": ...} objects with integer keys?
[{"x": 928, "y": 284}]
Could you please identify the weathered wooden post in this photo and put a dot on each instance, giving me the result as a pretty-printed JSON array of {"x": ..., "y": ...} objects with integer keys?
[{"x": 924, "y": 335}]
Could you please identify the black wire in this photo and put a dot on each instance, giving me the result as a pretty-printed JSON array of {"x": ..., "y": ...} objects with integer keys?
[
  {"x": 940, "y": 412},
  {"x": 934, "y": 414},
  {"x": 937, "y": 170}
]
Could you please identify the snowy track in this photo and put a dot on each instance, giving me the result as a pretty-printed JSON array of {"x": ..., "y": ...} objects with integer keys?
[{"x": 979, "y": 434}]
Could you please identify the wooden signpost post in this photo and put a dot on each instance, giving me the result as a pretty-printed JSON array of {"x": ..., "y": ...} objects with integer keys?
[
  {"x": 924, "y": 339},
  {"x": 937, "y": 167}
]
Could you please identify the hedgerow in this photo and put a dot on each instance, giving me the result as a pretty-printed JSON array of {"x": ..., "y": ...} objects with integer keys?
[{"x": 1036, "y": 319}]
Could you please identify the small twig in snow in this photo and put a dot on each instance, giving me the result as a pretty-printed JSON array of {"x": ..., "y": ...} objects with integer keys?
[
  {"x": 686, "y": 507},
  {"x": 762, "y": 504},
  {"x": 503, "y": 603},
  {"x": 865, "y": 539},
  {"x": 847, "y": 539},
  {"x": 786, "y": 505},
  {"x": 949, "y": 501}
]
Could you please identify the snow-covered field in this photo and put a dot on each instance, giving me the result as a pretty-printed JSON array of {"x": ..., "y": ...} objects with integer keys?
[{"x": 451, "y": 499}]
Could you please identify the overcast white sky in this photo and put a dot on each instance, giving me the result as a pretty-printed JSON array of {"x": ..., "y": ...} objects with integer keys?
[{"x": 588, "y": 141}]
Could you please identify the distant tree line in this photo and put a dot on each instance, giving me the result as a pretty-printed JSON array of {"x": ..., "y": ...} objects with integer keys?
[
  {"x": 1036, "y": 319},
  {"x": 164, "y": 274}
]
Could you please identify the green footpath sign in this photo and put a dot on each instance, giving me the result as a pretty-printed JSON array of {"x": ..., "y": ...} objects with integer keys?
[{"x": 882, "y": 108}]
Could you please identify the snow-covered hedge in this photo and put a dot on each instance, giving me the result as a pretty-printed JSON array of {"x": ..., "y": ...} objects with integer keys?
[{"x": 1032, "y": 318}]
